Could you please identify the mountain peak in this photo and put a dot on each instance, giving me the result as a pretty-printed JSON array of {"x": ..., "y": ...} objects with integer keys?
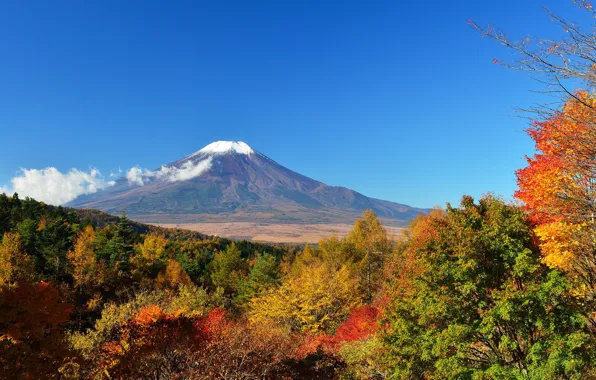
[
  {"x": 229, "y": 181},
  {"x": 223, "y": 147}
]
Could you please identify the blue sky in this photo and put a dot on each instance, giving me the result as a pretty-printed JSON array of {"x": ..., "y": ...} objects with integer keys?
[{"x": 397, "y": 100}]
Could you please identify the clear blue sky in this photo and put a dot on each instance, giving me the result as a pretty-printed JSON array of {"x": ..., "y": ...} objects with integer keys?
[{"x": 398, "y": 100}]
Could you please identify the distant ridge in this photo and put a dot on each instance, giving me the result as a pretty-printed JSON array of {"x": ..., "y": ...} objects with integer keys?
[{"x": 230, "y": 181}]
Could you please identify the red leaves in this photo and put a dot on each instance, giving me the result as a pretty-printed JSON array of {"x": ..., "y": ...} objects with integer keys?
[
  {"x": 31, "y": 311},
  {"x": 153, "y": 340},
  {"x": 213, "y": 325},
  {"x": 158, "y": 342},
  {"x": 30, "y": 332},
  {"x": 361, "y": 324}
]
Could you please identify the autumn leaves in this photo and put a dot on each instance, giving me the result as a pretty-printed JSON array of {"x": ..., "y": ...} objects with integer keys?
[{"x": 558, "y": 189}]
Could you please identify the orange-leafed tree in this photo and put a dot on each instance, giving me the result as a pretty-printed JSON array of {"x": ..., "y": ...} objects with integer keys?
[
  {"x": 173, "y": 276},
  {"x": 558, "y": 188}
]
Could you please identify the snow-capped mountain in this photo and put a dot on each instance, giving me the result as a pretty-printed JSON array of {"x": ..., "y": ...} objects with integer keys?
[{"x": 230, "y": 181}]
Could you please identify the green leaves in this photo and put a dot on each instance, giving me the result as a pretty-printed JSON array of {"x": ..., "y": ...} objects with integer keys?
[{"x": 475, "y": 301}]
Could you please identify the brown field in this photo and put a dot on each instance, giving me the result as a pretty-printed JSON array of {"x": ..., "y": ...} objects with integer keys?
[{"x": 276, "y": 233}]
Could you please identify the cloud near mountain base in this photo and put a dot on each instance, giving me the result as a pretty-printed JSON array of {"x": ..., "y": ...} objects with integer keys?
[
  {"x": 54, "y": 187},
  {"x": 51, "y": 186}
]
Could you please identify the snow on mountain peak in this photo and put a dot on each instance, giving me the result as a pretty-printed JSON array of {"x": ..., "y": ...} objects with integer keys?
[{"x": 221, "y": 147}]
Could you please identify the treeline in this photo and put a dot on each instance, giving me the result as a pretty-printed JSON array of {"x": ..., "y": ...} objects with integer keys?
[{"x": 464, "y": 294}]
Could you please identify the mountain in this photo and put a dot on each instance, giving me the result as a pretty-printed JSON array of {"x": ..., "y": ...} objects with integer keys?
[{"x": 229, "y": 181}]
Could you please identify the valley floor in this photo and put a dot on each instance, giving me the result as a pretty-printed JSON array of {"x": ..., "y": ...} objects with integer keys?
[{"x": 276, "y": 233}]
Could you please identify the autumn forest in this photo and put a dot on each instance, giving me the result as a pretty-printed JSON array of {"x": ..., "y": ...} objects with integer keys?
[{"x": 488, "y": 288}]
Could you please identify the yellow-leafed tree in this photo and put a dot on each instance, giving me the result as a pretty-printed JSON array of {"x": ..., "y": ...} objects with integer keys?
[
  {"x": 87, "y": 271},
  {"x": 15, "y": 264},
  {"x": 315, "y": 301}
]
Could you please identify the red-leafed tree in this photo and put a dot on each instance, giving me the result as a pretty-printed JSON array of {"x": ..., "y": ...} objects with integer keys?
[
  {"x": 160, "y": 344},
  {"x": 32, "y": 343},
  {"x": 153, "y": 344},
  {"x": 361, "y": 324},
  {"x": 237, "y": 350}
]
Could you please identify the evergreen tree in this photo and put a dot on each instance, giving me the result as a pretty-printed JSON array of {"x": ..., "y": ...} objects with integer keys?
[
  {"x": 5, "y": 214},
  {"x": 228, "y": 270},
  {"x": 263, "y": 275},
  {"x": 121, "y": 246}
]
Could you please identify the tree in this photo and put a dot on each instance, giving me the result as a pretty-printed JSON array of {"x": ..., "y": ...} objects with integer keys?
[
  {"x": 173, "y": 276},
  {"x": 53, "y": 241},
  {"x": 15, "y": 264},
  {"x": 157, "y": 337},
  {"x": 5, "y": 213},
  {"x": 557, "y": 186},
  {"x": 87, "y": 272},
  {"x": 32, "y": 341},
  {"x": 370, "y": 239},
  {"x": 121, "y": 246},
  {"x": 558, "y": 189},
  {"x": 228, "y": 269},
  {"x": 153, "y": 344},
  {"x": 470, "y": 299},
  {"x": 556, "y": 63},
  {"x": 150, "y": 254},
  {"x": 263, "y": 275},
  {"x": 317, "y": 300},
  {"x": 237, "y": 350},
  {"x": 28, "y": 230}
]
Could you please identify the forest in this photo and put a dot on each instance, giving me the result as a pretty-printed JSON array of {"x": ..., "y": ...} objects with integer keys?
[
  {"x": 485, "y": 289},
  {"x": 482, "y": 290}
]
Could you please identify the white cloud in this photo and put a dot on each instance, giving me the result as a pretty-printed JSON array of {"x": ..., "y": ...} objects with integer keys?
[
  {"x": 188, "y": 170},
  {"x": 54, "y": 187},
  {"x": 138, "y": 176}
]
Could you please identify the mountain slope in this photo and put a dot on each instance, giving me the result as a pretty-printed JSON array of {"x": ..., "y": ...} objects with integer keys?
[{"x": 229, "y": 181}]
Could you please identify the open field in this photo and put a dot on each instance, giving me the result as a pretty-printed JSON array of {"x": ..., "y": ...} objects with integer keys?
[{"x": 277, "y": 233}]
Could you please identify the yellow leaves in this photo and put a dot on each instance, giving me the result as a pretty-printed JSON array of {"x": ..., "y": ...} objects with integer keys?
[
  {"x": 149, "y": 253},
  {"x": 558, "y": 246},
  {"x": 315, "y": 301},
  {"x": 86, "y": 270},
  {"x": 14, "y": 262},
  {"x": 368, "y": 233},
  {"x": 153, "y": 248}
]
